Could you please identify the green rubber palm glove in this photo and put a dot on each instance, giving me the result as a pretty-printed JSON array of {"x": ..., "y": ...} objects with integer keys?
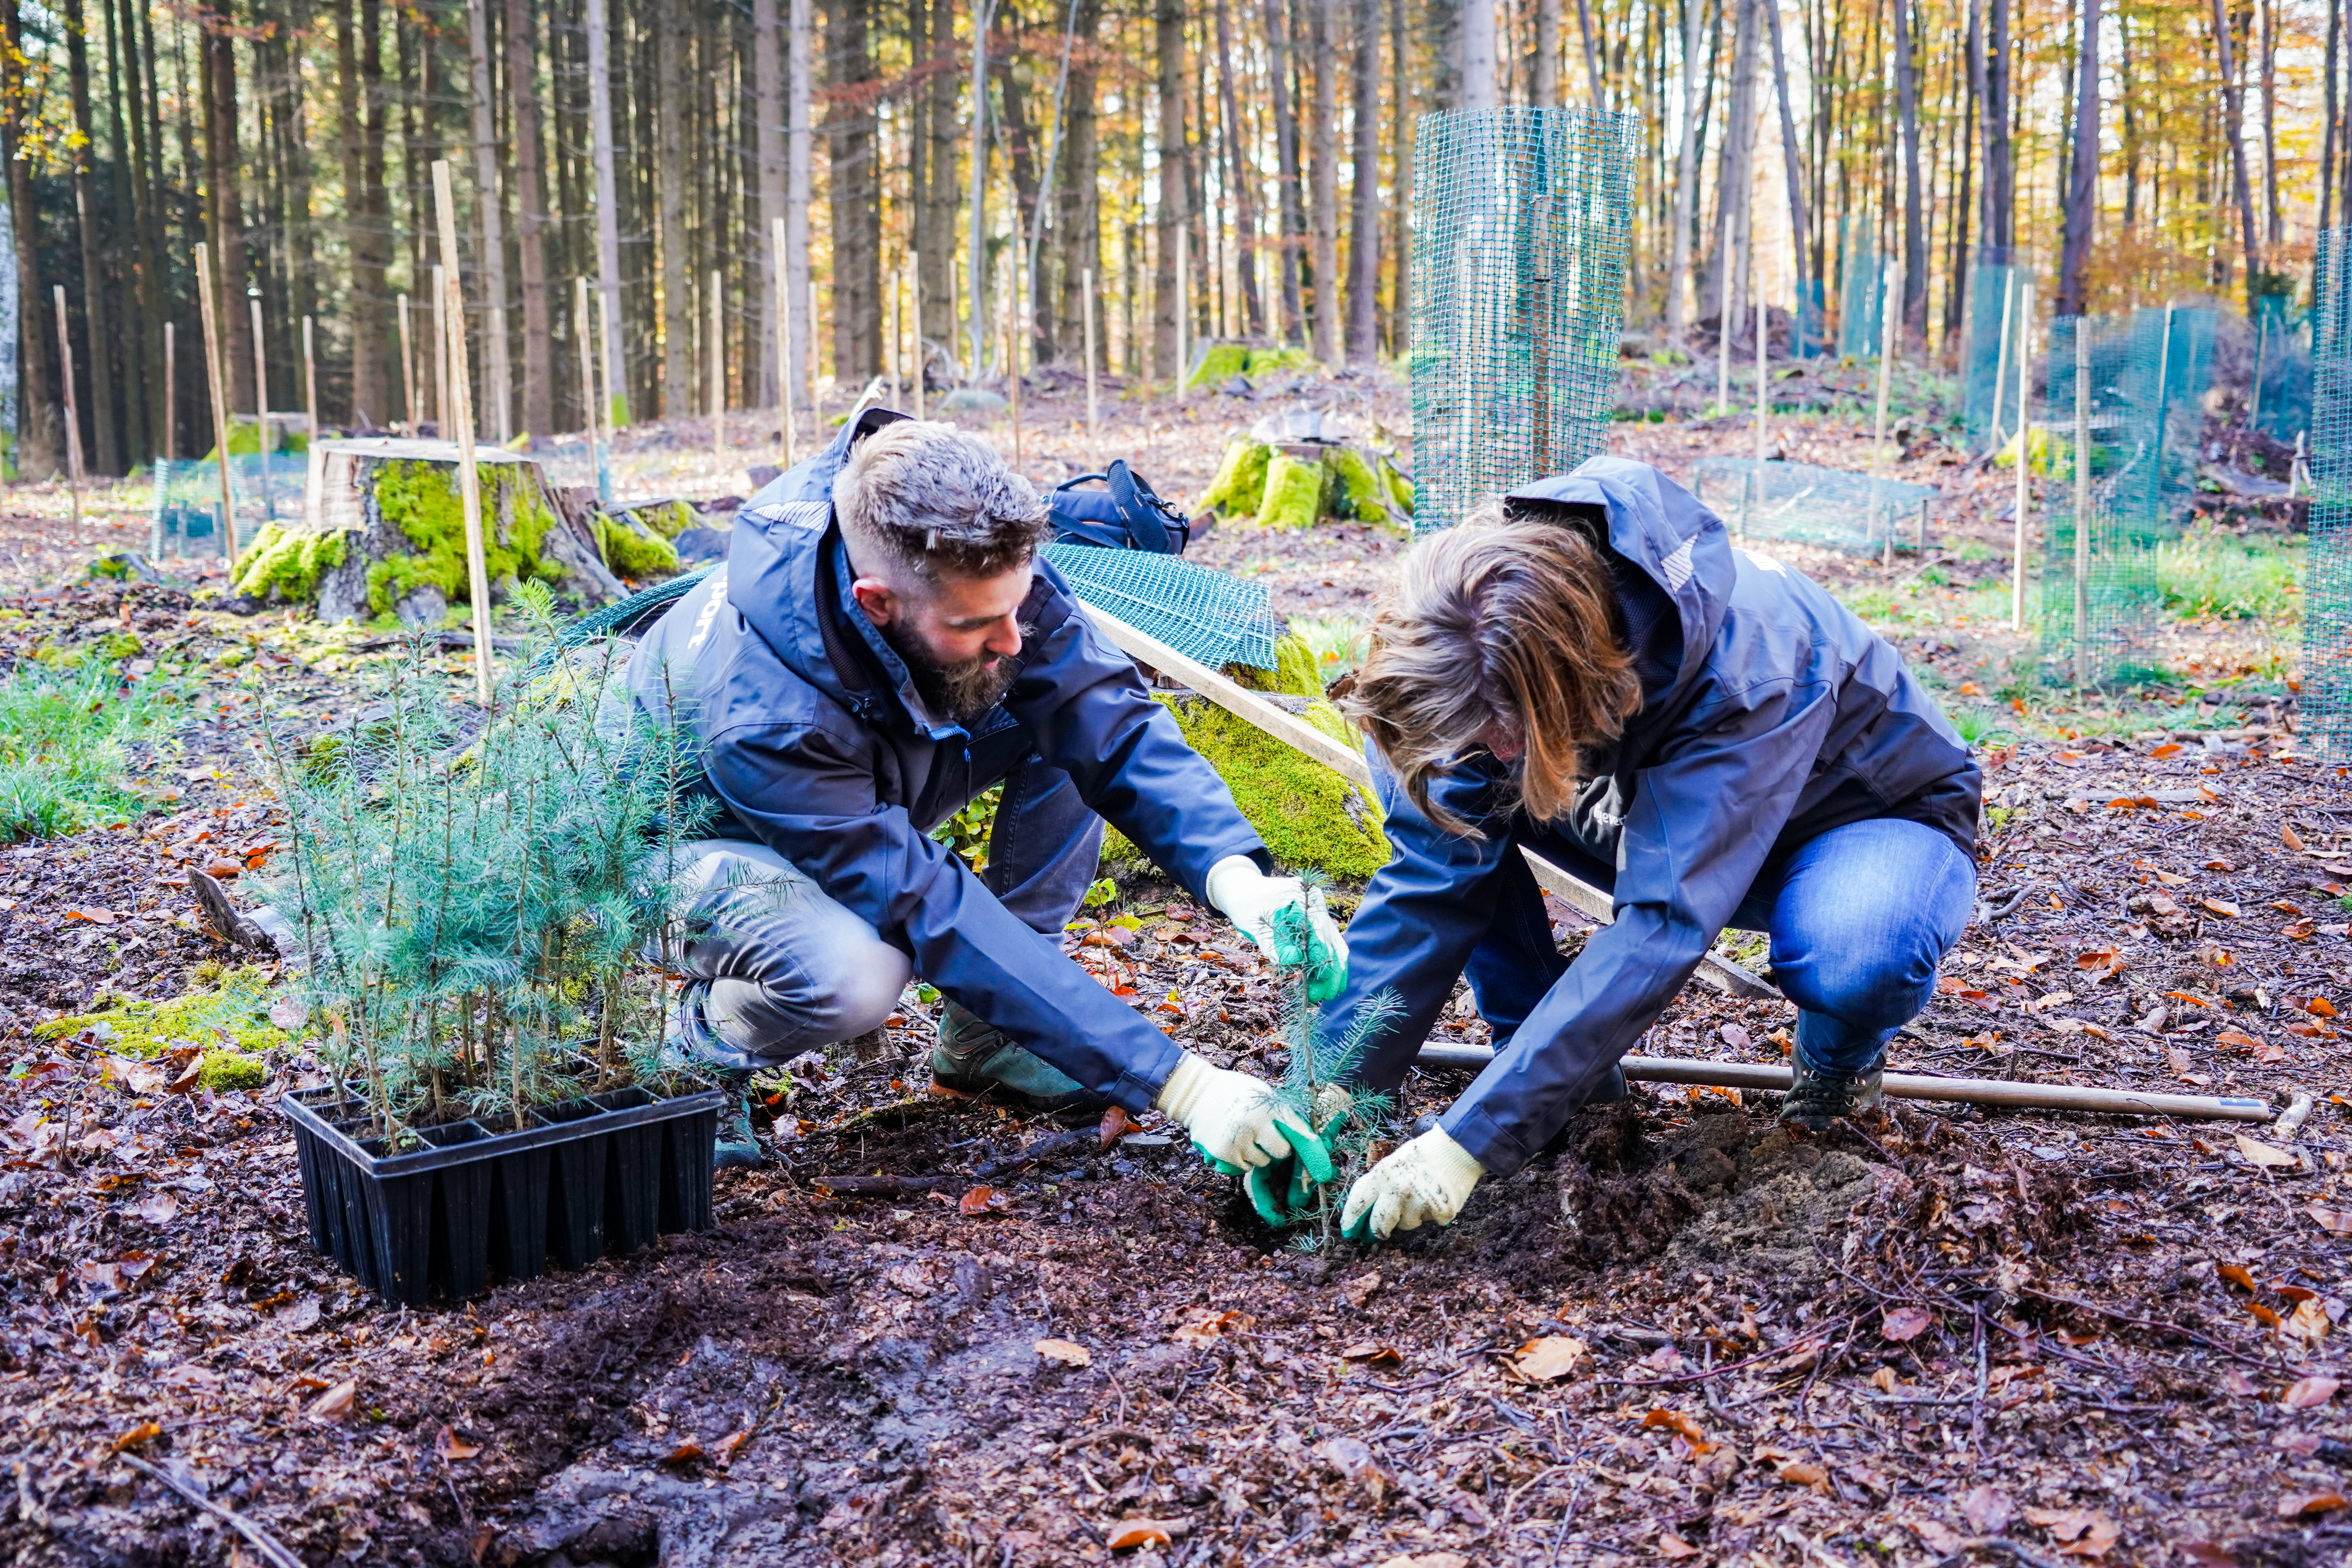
[
  {"x": 1288, "y": 921},
  {"x": 1237, "y": 1124},
  {"x": 1283, "y": 1190}
]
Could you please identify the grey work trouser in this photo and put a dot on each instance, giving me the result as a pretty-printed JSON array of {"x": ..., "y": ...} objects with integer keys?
[{"x": 777, "y": 967}]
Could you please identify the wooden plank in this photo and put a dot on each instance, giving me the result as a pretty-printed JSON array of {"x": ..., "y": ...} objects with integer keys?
[{"x": 1298, "y": 734}]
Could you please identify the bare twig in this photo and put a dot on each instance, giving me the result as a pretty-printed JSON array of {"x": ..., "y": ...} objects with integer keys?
[
  {"x": 261, "y": 1541},
  {"x": 894, "y": 1187},
  {"x": 2156, "y": 1324}
]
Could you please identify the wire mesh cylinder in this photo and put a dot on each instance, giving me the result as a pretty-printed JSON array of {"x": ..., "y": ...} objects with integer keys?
[
  {"x": 2325, "y": 702},
  {"x": 1522, "y": 219}
]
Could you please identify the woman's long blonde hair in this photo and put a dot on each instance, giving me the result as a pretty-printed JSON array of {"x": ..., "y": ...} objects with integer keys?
[{"x": 1497, "y": 621}]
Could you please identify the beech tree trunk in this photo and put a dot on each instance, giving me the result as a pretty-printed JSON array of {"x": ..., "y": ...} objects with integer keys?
[
  {"x": 1679, "y": 289},
  {"x": 2083, "y": 186},
  {"x": 1323, "y": 177},
  {"x": 489, "y": 206},
  {"x": 1243, "y": 180},
  {"x": 855, "y": 187},
  {"x": 360, "y": 98},
  {"x": 768, "y": 101},
  {"x": 530, "y": 236},
  {"x": 40, "y": 455},
  {"x": 1364, "y": 231},
  {"x": 1167, "y": 42},
  {"x": 1286, "y": 137},
  {"x": 98, "y": 396}
]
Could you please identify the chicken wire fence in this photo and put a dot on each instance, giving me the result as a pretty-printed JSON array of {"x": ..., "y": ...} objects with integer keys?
[
  {"x": 1859, "y": 514},
  {"x": 2001, "y": 301},
  {"x": 1202, "y": 614},
  {"x": 2325, "y": 705},
  {"x": 1522, "y": 219},
  {"x": 2113, "y": 443},
  {"x": 1860, "y": 297},
  {"x": 184, "y": 519}
]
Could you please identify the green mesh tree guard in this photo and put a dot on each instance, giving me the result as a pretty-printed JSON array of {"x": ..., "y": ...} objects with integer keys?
[
  {"x": 1857, "y": 513},
  {"x": 2326, "y": 703},
  {"x": 186, "y": 517},
  {"x": 1522, "y": 219},
  {"x": 2105, "y": 507},
  {"x": 1997, "y": 316},
  {"x": 1859, "y": 290},
  {"x": 2283, "y": 371},
  {"x": 1203, "y": 615}
]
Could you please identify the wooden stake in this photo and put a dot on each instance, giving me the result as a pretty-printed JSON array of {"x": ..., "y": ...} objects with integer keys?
[
  {"x": 1086, "y": 300},
  {"x": 1887, "y": 333},
  {"x": 615, "y": 415},
  {"x": 816, "y": 402},
  {"x": 218, "y": 382},
  {"x": 2082, "y": 500},
  {"x": 785, "y": 386},
  {"x": 73, "y": 416},
  {"x": 2024, "y": 456},
  {"x": 1012, "y": 336},
  {"x": 579, "y": 330},
  {"x": 442, "y": 276},
  {"x": 310, "y": 379},
  {"x": 469, "y": 476},
  {"x": 922, "y": 360},
  {"x": 2000, "y": 367},
  {"x": 171, "y": 396},
  {"x": 718, "y": 371},
  {"x": 1763, "y": 351},
  {"x": 262, "y": 441},
  {"x": 407, "y": 370}
]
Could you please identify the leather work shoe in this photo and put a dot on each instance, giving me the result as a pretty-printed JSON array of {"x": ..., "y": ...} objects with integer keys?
[
  {"x": 1817, "y": 1099},
  {"x": 739, "y": 1146},
  {"x": 974, "y": 1058}
]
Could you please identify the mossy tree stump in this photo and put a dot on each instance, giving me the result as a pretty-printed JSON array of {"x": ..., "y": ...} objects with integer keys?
[
  {"x": 1295, "y": 484},
  {"x": 383, "y": 533}
]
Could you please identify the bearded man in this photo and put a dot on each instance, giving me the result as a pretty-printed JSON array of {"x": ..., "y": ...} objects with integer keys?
[{"x": 881, "y": 648}]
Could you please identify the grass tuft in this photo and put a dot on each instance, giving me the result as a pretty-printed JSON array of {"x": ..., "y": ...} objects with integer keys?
[{"x": 61, "y": 760}]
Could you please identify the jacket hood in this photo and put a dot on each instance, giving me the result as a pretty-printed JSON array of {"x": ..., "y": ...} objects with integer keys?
[{"x": 1663, "y": 529}]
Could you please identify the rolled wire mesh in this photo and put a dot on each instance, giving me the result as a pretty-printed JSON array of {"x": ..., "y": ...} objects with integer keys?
[
  {"x": 1997, "y": 316},
  {"x": 185, "y": 518},
  {"x": 1202, "y": 614},
  {"x": 1522, "y": 221},
  {"x": 1857, "y": 513},
  {"x": 2325, "y": 704},
  {"x": 2104, "y": 415}
]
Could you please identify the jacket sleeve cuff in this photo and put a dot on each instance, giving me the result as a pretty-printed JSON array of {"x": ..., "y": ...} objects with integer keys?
[{"x": 1484, "y": 1140}]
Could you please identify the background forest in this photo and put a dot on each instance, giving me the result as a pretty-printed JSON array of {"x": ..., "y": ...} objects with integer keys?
[{"x": 654, "y": 150}]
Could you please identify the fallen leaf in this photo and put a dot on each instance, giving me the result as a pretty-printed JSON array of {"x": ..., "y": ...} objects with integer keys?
[
  {"x": 138, "y": 1436},
  {"x": 687, "y": 1453},
  {"x": 1207, "y": 1326},
  {"x": 2302, "y": 1505},
  {"x": 1988, "y": 1510},
  {"x": 2288, "y": 837},
  {"x": 2169, "y": 880},
  {"x": 1938, "y": 1537},
  {"x": 157, "y": 1209},
  {"x": 2309, "y": 1320},
  {"x": 2335, "y": 1222},
  {"x": 1132, "y": 1533},
  {"x": 1116, "y": 1125},
  {"x": 731, "y": 1445},
  {"x": 297, "y": 1315},
  {"x": 1065, "y": 1351},
  {"x": 1548, "y": 1358},
  {"x": 1352, "y": 1457},
  {"x": 2220, "y": 907},
  {"x": 335, "y": 1405},
  {"x": 1738, "y": 1039},
  {"x": 1371, "y": 1353},
  {"x": 2320, "y": 1006},
  {"x": 2237, "y": 1038},
  {"x": 1798, "y": 1472},
  {"x": 2237, "y": 1274},
  {"x": 1676, "y": 1422},
  {"x": 1359, "y": 1290},
  {"x": 2263, "y": 1154},
  {"x": 2085, "y": 1532},
  {"x": 2309, "y": 1392},
  {"x": 981, "y": 1199},
  {"x": 95, "y": 916},
  {"x": 449, "y": 1445},
  {"x": 1901, "y": 1324},
  {"x": 289, "y": 1013},
  {"x": 2262, "y": 1315},
  {"x": 2299, "y": 930},
  {"x": 1674, "y": 1548}
]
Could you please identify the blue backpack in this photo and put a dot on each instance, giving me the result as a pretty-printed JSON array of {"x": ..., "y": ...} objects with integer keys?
[{"x": 1126, "y": 514}]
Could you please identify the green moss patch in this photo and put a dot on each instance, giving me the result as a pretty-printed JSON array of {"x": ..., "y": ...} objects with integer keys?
[
  {"x": 291, "y": 561},
  {"x": 421, "y": 500},
  {"x": 1239, "y": 489},
  {"x": 1307, "y": 815},
  {"x": 1297, "y": 672},
  {"x": 245, "y": 441},
  {"x": 666, "y": 518},
  {"x": 632, "y": 550},
  {"x": 231, "y": 1021},
  {"x": 1356, "y": 491},
  {"x": 1220, "y": 363},
  {"x": 1294, "y": 492}
]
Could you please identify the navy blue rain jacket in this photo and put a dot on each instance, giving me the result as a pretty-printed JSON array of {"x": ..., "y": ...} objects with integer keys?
[
  {"x": 1770, "y": 715},
  {"x": 815, "y": 742}
]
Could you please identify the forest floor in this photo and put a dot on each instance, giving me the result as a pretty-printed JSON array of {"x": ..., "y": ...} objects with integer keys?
[{"x": 1943, "y": 1336}]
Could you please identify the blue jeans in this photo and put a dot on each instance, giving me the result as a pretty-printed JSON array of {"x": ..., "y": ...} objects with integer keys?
[{"x": 1858, "y": 918}]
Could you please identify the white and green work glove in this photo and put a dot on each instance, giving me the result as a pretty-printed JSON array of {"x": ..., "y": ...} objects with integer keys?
[
  {"x": 1424, "y": 1182},
  {"x": 1237, "y": 1125},
  {"x": 1283, "y": 1190},
  {"x": 1286, "y": 919}
]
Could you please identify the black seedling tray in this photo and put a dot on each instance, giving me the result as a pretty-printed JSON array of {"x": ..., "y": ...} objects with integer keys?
[{"x": 600, "y": 1174}]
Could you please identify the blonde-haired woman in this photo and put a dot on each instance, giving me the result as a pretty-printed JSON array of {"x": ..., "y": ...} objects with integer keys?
[{"x": 1592, "y": 670}]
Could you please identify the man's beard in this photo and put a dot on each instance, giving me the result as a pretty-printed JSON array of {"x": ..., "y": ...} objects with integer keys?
[{"x": 958, "y": 692}]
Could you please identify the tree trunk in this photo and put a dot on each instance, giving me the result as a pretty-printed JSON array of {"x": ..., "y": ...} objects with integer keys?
[
  {"x": 138, "y": 84},
  {"x": 1243, "y": 180},
  {"x": 2233, "y": 116},
  {"x": 531, "y": 237},
  {"x": 359, "y": 102},
  {"x": 1793, "y": 162},
  {"x": 129, "y": 205},
  {"x": 1479, "y": 86},
  {"x": 489, "y": 207},
  {"x": 1167, "y": 38},
  {"x": 1078, "y": 218},
  {"x": 2083, "y": 186},
  {"x": 2269, "y": 13},
  {"x": 1286, "y": 137},
  {"x": 38, "y": 454},
  {"x": 936, "y": 236},
  {"x": 1323, "y": 177},
  {"x": 2328, "y": 136},
  {"x": 768, "y": 99},
  {"x": 1735, "y": 179},
  {"x": 608, "y": 207},
  {"x": 1401, "y": 157},
  {"x": 226, "y": 214},
  {"x": 800, "y": 159},
  {"x": 1915, "y": 209},
  {"x": 1546, "y": 71},
  {"x": 1680, "y": 286},
  {"x": 677, "y": 399},
  {"x": 855, "y": 183},
  {"x": 2000, "y": 203},
  {"x": 97, "y": 399},
  {"x": 1364, "y": 233}
]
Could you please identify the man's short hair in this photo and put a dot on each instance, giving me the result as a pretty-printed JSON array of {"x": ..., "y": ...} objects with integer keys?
[{"x": 931, "y": 499}]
